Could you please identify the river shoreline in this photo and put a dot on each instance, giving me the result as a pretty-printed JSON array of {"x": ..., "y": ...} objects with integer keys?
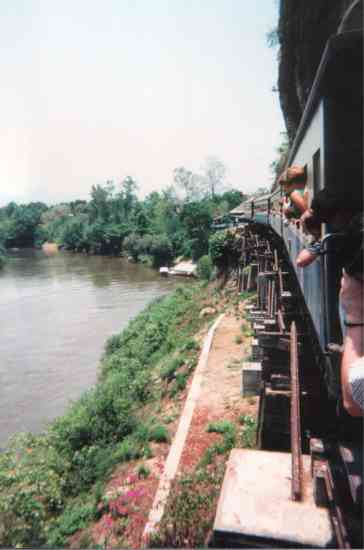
[
  {"x": 58, "y": 312},
  {"x": 101, "y": 428}
]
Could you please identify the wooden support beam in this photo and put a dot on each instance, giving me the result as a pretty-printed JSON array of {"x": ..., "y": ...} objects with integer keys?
[{"x": 296, "y": 444}]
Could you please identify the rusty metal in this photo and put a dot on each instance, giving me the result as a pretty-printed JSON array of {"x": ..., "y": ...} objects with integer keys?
[
  {"x": 269, "y": 298},
  {"x": 248, "y": 284},
  {"x": 336, "y": 514},
  {"x": 274, "y": 299},
  {"x": 296, "y": 448},
  {"x": 280, "y": 281},
  {"x": 281, "y": 323}
]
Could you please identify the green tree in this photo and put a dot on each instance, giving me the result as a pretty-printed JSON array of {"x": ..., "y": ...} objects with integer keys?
[
  {"x": 161, "y": 250},
  {"x": 197, "y": 219}
]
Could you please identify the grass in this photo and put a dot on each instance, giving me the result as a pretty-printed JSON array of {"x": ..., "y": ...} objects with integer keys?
[{"x": 249, "y": 431}]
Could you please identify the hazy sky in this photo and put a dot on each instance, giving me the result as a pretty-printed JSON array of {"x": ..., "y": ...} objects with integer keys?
[{"x": 99, "y": 89}]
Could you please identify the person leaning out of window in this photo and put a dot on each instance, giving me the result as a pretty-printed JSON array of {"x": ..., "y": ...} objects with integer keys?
[{"x": 293, "y": 185}]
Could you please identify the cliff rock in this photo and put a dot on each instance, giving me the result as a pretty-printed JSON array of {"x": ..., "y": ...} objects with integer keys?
[{"x": 303, "y": 30}]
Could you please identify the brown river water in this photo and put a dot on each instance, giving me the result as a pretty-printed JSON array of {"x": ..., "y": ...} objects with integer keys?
[{"x": 56, "y": 312}]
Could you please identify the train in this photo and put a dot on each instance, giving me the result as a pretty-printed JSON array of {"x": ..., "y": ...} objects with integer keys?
[{"x": 329, "y": 147}]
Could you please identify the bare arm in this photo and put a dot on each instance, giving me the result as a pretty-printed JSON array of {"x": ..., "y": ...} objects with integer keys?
[
  {"x": 351, "y": 295},
  {"x": 298, "y": 201},
  {"x": 353, "y": 350}
]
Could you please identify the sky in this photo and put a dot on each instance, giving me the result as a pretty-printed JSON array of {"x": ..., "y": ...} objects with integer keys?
[{"x": 97, "y": 90}]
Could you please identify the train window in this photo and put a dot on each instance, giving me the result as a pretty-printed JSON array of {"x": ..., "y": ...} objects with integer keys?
[{"x": 316, "y": 172}]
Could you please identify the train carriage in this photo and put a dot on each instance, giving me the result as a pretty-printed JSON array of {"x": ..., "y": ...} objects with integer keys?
[{"x": 329, "y": 146}]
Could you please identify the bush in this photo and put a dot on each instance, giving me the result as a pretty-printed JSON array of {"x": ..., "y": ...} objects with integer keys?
[
  {"x": 221, "y": 427},
  {"x": 76, "y": 516},
  {"x": 143, "y": 471},
  {"x": 159, "y": 434},
  {"x": 249, "y": 432},
  {"x": 129, "y": 449},
  {"x": 204, "y": 268},
  {"x": 224, "y": 249},
  {"x": 190, "y": 345},
  {"x": 169, "y": 369},
  {"x": 134, "y": 245},
  {"x": 161, "y": 250}
]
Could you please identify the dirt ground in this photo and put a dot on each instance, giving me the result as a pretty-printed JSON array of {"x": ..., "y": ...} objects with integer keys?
[{"x": 220, "y": 397}]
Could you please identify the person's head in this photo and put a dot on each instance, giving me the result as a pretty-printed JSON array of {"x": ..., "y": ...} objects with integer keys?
[
  {"x": 292, "y": 178},
  {"x": 336, "y": 207},
  {"x": 343, "y": 210}
]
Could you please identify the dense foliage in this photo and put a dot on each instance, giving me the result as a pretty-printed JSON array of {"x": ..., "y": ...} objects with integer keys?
[
  {"x": 161, "y": 227},
  {"x": 225, "y": 249},
  {"x": 51, "y": 484}
]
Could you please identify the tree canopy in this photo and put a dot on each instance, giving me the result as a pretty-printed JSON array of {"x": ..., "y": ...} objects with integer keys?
[{"x": 173, "y": 222}]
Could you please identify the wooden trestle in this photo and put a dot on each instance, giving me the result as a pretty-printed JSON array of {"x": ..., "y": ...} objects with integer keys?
[{"x": 279, "y": 341}]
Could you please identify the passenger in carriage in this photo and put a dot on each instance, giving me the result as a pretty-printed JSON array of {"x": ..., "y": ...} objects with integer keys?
[
  {"x": 293, "y": 184},
  {"x": 344, "y": 212},
  {"x": 338, "y": 208}
]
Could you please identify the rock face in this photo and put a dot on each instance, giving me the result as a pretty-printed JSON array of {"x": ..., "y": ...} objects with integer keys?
[{"x": 303, "y": 30}]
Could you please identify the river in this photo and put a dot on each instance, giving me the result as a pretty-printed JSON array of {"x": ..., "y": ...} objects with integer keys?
[{"x": 56, "y": 313}]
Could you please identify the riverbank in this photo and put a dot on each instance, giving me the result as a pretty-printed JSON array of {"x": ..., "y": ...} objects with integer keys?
[
  {"x": 55, "y": 485},
  {"x": 58, "y": 310}
]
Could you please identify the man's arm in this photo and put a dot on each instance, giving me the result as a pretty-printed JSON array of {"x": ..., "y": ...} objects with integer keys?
[
  {"x": 351, "y": 296},
  {"x": 299, "y": 201},
  {"x": 353, "y": 350}
]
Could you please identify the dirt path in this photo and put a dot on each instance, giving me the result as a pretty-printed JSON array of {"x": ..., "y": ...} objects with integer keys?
[{"x": 220, "y": 397}]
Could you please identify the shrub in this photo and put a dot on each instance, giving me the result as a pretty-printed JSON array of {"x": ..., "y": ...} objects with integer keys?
[
  {"x": 204, "y": 268},
  {"x": 76, "y": 516},
  {"x": 112, "y": 344},
  {"x": 134, "y": 245},
  {"x": 221, "y": 427},
  {"x": 169, "y": 369},
  {"x": 129, "y": 449},
  {"x": 249, "y": 432},
  {"x": 190, "y": 345},
  {"x": 159, "y": 434},
  {"x": 228, "y": 430},
  {"x": 181, "y": 381},
  {"x": 161, "y": 250},
  {"x": 224, "y": 249},
  {"x": 143, "y": 471}
]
